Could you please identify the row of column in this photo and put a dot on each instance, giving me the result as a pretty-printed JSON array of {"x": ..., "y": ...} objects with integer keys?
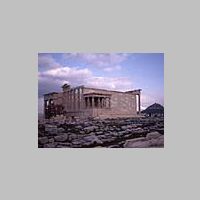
[
  {"x": 48, "y": 102},
  {"x": 51, "y": 109},
  {"x": 101, "y": 102},
  {"x": 73, "y": 99}
]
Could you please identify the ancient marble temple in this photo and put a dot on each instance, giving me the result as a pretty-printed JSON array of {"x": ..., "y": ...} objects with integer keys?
[{"x": 84, "y": 102}]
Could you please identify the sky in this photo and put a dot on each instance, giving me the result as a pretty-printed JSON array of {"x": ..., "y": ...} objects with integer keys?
[{"x": 114, "y": 71}]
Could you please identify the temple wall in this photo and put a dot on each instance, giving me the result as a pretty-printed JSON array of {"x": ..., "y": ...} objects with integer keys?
[{"x": 121, "y": 104}]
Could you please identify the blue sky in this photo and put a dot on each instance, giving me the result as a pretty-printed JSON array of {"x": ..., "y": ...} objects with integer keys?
[{"x": 116, "y": 71}]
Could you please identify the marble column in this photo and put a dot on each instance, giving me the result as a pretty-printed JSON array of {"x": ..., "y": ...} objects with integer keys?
[
  {"x": 106, "y": 102},
  {"x": 68, "y": 101},
  {"x": 103, "y": 102},
  {"x": 78, "y": 99},
  {"x": 45, "y": 107},
  {"x": 87, "y": 102},
  {"x": 139, "y": 107},
  {"x": 92, "y": 102},
  {"x": 109, "y": 102},
  {"x": 71, "y": 100},
  {"x": 74, "y": 100},
  {"x": 98, "y": 105}
]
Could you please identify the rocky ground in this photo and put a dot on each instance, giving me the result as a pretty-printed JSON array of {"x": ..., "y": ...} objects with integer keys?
[{"x": 112, "y": 133}]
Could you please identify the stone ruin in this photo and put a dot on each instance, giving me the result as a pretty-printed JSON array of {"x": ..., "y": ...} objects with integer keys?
[{"x": 84, "y": 102}]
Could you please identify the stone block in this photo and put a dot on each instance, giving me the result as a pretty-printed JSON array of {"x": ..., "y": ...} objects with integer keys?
[
  {"x": 50, "y": 145},
  {"x": 43, "y": 140},
  {"x": 90, "y": 129},
  {"x": 153, "y": 135},
  {"x": 61, "y": 138},
  {"x": 51, "y": 129}
]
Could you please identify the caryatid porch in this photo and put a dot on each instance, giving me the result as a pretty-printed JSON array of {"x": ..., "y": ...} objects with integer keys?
[{"x": 97, "y": 100}]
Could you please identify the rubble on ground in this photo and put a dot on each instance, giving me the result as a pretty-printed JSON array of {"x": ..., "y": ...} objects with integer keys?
[{"x": 112, "y": 133}]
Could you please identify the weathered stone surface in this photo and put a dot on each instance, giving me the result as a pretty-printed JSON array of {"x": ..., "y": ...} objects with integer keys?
[
  {"x": 61, "y": 138},
  {"x": 81, "y": 132},
  {"x": 72, "y": 136},
  {"x": 153, "y": 139},
  {"x": 153, "y": 135},
  {"x": 112, "y": 133},
  {"x": 51, "y": 129},
  {"x": 159, "y": 142},
  {"x": 79, "y": 127},
  {"x": 114, "y": 146},
  {"x": 60, "y": 130},
  {"x": 50, "y": 145},
  {"x": 137, "y": 144},
  {"x": 43, "y": 140},
  {"x": 40, "y": 133},
  {"x": 92, "y": 139},
  {"x": 115, "y": 134},
  {"x": 160, "y": 130},
  {"x": 63, "y": 145},
  {"x": 127, "y": 127},
  {"x": 90, "y": 129},
  {"x": 121, "y": 133},
  {"x": 51, "y": 140},
  {"x": 99, "y": 133},
  {"x": 107, "y": 140}
]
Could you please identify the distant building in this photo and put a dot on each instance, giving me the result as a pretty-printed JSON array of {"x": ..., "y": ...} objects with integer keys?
[
  {"x": 84, "y": 102},
  {"x": 155, "y": 110}
]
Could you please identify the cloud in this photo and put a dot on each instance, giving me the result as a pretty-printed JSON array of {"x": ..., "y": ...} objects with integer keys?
[
  {"x": 66, "y": 73},
  {"x": 46, "y": 61},
  {"x": 109, "y": 69},
  {"x": 106, "y": 61},
  {"x": 118, "y": 83},
  {"x": 53, "y": 79}
]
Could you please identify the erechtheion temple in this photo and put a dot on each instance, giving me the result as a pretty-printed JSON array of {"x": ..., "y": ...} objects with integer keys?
[{"x": 84, "y": 102}]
